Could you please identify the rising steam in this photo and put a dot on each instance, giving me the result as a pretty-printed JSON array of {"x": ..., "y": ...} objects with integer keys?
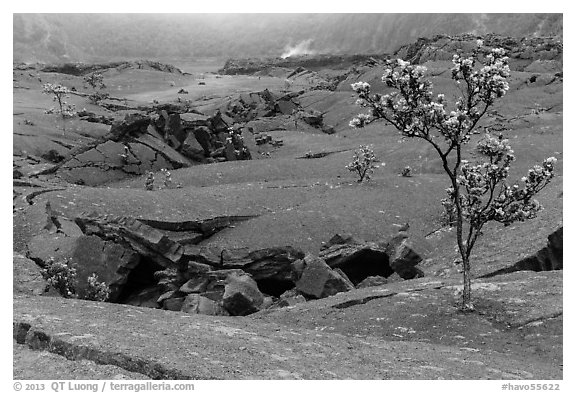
[{"x": 303, "y": 48}]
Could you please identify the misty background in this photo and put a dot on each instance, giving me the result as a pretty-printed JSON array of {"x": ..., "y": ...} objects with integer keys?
[{"x": 102, "y": 37}]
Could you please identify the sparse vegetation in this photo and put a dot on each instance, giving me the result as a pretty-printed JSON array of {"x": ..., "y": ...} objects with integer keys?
[
  {"x": 149, "y": 182},
  {"x": 59, "y": 92},
  {"x": 96, "y": 81},
  {"x": 168, "y": 183},
  {"x": 61, "y": 275},
  {"x": 479, "y": 191},
  {"x": 97, "y": 291},
  {"x": 363, "y": 163}
]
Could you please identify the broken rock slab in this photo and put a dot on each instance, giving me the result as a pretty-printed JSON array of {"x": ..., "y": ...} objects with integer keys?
[
  {"x": 319, "y": 280},
  {"x": 372, "y": 281},
  {"x": 111, "y": 262},
  {"x": 134, "y": 234},
  {"x": 27, "y": 277},
  {"x": 358, "y": 260},
  {"x": 403, "y": 258},
  {"x": 199, "y": 304},
  {"x": 241, "y": 295}
]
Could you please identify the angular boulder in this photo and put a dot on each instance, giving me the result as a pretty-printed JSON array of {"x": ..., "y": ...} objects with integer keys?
[
  {"x": 403, "y": 257},
  {"x": 134, "y": 234},
  {"x": 241, "y": 295},
  {"x": 195, "y": 285},
  {"x": 111, "y": 262},
  {"x": 268, "y": 263},
  {"x": 372, "y": 281},
  {"x": 199, "y": 304},
  {"x": 319, "y": 280}
]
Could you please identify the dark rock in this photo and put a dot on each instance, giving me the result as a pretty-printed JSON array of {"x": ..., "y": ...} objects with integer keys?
[
  {"x": 289, "y": 298},
  {"x": 241, "y": 295},
  {"x": 27, "y": 277},
  {"x": 274, "y": 262},
  {"x": 191, "y": 148},
  {"x": 403, "y": 257},
  {"x": 142, "y": 238},
  {"x": 197, "y": 268},
  {"x": 172, "y": 130},
  {"x": 297, "y": 268},
  {"x": 195, "y": 285},
  {"x": 134, "y": 125},
  {"x": 372, "y": 281},
  {"x": 199, "y": 304},
  {"x": 286, "y": 106},
  {"x": 17, "y": 173},
  {"x": 53, "y": 155},
  {"x": 111, "y": 262},
  {"x": 173, "y": 304},
  {"x": 328, "y": 129},
  {"x": 229, "y": 152},
  {"x": 165, "y": 296},
  {"x": 314, "y": 118},
  {"x": 319, "y": 280},
  {"x": 204, "y": 138}
]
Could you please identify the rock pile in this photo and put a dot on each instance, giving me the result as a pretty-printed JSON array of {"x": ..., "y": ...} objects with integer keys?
[
  {"x": 140, "y": 143},
  {"x": 526, "y": 54},
  {"x": 164, "y": 264}
]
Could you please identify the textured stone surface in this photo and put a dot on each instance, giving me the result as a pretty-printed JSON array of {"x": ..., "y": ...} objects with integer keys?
[
  {"x": 26, "y": 276},
  {"x": 241, "y": 295},
  {"x": 319, "y": 280}
]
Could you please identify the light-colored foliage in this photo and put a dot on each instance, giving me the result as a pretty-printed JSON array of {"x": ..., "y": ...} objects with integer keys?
[
  {"x": 59, "y": 92},
  {"x": 479, "y": 191},
  {"x": 363, "y": 163},
  {"x": 62, "y": 276},
  {"x": 97, "y": 291}
]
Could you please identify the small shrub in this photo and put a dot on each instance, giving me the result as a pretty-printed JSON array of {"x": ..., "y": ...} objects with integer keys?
[
  {"x": 96, "y": 80},
  {"x": 149, "y": 182},
  {"x": 363, "y": 163},
  {"x": 124, "y": 156},
  {"x": 168, "y": 183},
  {"x": 59, "y": 92},
  {"x": 96, "y": 97},
  {"x": 97, "y": 291},
  {"x": 62, "y": 276}
]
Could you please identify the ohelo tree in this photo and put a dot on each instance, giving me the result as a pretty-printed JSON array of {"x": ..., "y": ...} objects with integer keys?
[
  {"x": 59, "y": 93},
  {"x": 479, "y": 191},
  {"x": 96, "y": 80}
]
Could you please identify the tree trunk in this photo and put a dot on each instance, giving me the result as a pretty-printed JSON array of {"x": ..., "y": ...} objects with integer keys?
[{"x": 467, "y": 290}]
